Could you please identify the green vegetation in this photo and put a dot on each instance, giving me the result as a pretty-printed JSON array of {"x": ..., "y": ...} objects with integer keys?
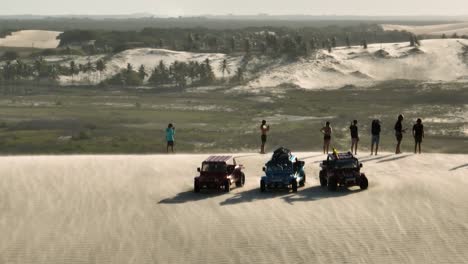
[
  {"x": 273, "y": 41},
  {"x": 49, "y": 119}
]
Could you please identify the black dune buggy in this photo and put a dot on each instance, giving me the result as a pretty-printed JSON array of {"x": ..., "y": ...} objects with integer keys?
[{"x": 342, "y": 169}]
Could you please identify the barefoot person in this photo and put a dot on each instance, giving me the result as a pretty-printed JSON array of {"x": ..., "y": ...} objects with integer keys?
[
  {"x": 399, "y": 133},
  {"x": 418, "y": 134},
  {"x": 375, "y": 131},
  {"x": 327, "y": 132},
  {"x": 353, "y": 129},
  {"x": 264, "y": 128},
  {"x": 170, "y": 133}
]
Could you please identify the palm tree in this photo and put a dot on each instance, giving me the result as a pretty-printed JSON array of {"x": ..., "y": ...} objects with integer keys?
[
  {"x": 52, "y": 72},
  {"x": 142, "y": 73},
  {"x": 39, "y": 66},
  {"x": 129, "y": 68},
  {"x": 100, "y": 67},
  {"x": 73, "y": 69},
  {"x": 240, "y": 74},
  {"x": 224, "y": 67},
  {"x": 247, "y": 45}
]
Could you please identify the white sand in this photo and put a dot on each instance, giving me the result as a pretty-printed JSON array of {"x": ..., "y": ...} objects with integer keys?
[
  {"x": 439, "y": 29},
  {"x": 436, "y": 60},
  {"x": 149, "y": 58},
  {"x": 141, "y": 209},
  {"x": 40, "y": 39}
]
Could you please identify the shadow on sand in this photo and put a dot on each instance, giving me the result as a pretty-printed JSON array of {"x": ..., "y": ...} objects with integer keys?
[
  {"x": 317, "y": 193},
  {"x": 190, "y": 196},
  {"x": 376, "y": 158},
  {"x": 303, "y": 195},
  {"x": 395, "y": 158},
  {"x": 310, "y": 157},
  {"x": 459, "y": 167}
]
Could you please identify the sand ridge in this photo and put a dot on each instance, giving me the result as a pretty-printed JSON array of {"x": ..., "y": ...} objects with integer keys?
[{"x": 141, "y": 209}]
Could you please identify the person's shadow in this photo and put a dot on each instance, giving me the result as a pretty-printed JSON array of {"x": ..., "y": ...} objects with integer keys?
[
  {"x": 459, "y": 167},
  {"x": 191, "y": 196}
]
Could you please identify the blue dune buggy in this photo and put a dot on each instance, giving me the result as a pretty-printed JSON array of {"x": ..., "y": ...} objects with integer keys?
[{"x": 284, "y": 170}]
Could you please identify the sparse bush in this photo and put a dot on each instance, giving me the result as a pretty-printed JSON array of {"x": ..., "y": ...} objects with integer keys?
[
  {"x": 10, "y": 55},
  {"x": 82, "y": 135},
  {"x": 90, "y": 126}
]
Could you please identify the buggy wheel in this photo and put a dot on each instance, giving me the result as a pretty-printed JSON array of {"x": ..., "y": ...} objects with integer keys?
[
  {"x": 262, "y": 186},
  {"x": 323, "y": 179},
  {"x": 241, "y": 180},
  {"x": 196, "y": 186},
  {"x": 363, "y": 182},
  {"x": 303, "y": 181},
  {"x": 227, "y": 186},
  {"x": 332, "y": 184},
  {"x": 294, "y": 186}
]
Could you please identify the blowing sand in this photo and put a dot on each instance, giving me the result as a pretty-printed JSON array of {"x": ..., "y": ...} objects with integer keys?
[{"x": 141, "y": 209}]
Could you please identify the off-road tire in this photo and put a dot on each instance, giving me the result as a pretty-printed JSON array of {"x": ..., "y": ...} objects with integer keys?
[
  {"x": 363, "y": 182},
  {"x": 323, "y": 179},
  {"x": 294, "y": 186},
  {"x": 303, "y": 181},
  {"x": 241, "y": 180},
  {"x": 196, "y": 187},
  {"x": 227, "y": 186},
  {"x": 332, "y": 184},
  {"x": 262, "y": 186}
]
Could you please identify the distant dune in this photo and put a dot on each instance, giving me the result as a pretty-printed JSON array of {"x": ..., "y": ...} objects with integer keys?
[
  {"x": 439, "y": 29},
  {"x": 31, "y": 39},
  {"x": 141, "y": 209},
  {"x": 435, "y": 60}
]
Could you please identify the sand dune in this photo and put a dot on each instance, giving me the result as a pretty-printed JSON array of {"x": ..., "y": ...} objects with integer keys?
[
  {"x": 439, "y": 29},
  {"x": 141, "y": 209},
  {"x": 435, "y": 60},
  {"x": 40, "y": 39}
]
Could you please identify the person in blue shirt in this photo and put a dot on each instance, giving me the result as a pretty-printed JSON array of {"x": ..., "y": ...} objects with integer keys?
[{"x": 170, "y": 133}]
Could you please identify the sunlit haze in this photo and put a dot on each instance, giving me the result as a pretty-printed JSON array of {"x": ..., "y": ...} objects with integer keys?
[{"x": 216, "y": 7}]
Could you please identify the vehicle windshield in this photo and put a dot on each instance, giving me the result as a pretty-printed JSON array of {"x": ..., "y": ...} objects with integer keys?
[
  {"x": 345, "y": 164},
  {"x": 214, "y": 167},
  {"x": 279, "y": 166}
]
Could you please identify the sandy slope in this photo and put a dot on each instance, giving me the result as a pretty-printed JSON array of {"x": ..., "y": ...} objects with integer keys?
[
  {"x": 141, "y": 209},
  {"x": 435, "y": 60},
  {"x": 149, "y": 58},
  {"x": 32, "y": 38},
  {"x": 439, "y": 29}
]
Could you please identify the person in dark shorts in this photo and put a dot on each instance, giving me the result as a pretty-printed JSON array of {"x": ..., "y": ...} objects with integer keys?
[
  {"x": 264, "y": 128},
  {"x": 327, "y": 132},
  {"x": 399, "y": 133},
  {"x": 354, "y": 136},
  {"x": 375, "y": 131},
  {"x": 418, "y": 134},
  {"x": 170, "y": 133}
]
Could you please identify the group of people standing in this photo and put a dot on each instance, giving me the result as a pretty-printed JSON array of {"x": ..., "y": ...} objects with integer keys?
[{"x": 418, "y": 134}]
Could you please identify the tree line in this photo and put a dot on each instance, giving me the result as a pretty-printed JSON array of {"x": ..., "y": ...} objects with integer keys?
[
  {"x": 273, "y": 41},
  {"x": 178, "y": 73}
]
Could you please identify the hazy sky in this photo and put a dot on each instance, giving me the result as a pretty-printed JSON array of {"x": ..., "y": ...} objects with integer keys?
[{"x": 197, "y": 7}]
